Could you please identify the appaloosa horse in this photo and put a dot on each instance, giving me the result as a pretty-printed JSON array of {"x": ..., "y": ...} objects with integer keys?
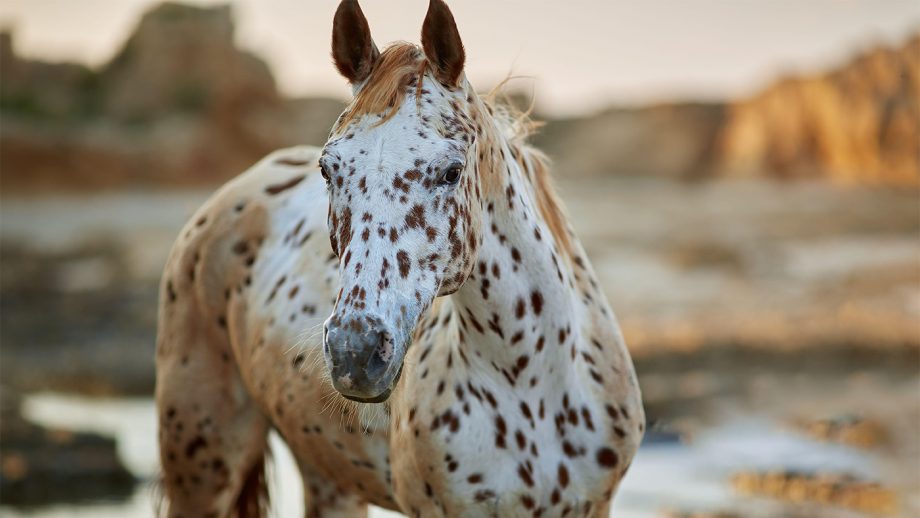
[{"x": 471, "y": 365}]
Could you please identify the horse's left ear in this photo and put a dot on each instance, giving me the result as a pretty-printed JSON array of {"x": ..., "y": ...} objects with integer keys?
[
  {"x": 353, "y": 50},
  {"x": 442, "y": 44}
]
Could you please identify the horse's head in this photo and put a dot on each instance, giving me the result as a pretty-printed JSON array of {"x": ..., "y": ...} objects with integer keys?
[{"x": 404, "y": 201}]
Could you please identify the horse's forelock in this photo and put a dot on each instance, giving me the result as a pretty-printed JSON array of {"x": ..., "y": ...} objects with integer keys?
[{"x": 385, "y": 89}]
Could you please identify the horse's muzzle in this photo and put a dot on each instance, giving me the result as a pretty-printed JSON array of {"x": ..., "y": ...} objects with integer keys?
[{"x": 363, "y": 358}]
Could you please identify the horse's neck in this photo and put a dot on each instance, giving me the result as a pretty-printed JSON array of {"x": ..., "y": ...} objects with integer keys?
[{"x": 518, "y": 305}]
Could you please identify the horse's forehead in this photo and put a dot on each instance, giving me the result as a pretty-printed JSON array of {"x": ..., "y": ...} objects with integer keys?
[{"x": 406, "y": 140}]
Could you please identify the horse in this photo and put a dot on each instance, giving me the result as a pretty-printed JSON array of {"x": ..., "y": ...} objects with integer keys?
[{"x": 408, "y": 307}]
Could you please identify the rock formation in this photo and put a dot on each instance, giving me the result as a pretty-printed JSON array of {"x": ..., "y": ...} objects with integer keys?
[
  {"x": 857, "y": 124},
  {"x": 183, "y": 59},
  {"x": 179, "y": 104}
]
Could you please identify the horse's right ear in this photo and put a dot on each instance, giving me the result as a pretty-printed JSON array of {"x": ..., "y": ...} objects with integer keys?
[{"x": 353, "y": 50}]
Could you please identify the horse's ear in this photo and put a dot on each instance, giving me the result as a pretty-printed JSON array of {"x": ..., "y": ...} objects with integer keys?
[
  {"x": 353, "y": 50},
  {"x": 442, "y": 44}
]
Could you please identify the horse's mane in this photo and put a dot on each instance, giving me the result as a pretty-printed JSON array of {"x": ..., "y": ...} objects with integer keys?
[
  {"x": 517, "y": 126},
  {"x": 402, "y": 66}
]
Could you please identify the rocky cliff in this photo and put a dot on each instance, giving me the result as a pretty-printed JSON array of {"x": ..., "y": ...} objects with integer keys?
[
  {"x": 181, "y": 58},
  {"x": 179, "y": 103},
  {"x": 858, "y": 124}
]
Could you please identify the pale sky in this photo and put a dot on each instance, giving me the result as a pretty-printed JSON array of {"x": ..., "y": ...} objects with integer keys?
[{"x": 580, "y": 55}]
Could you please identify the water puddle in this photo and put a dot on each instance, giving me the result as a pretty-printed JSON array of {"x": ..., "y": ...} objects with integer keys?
[{"x": 666, "y": 475}]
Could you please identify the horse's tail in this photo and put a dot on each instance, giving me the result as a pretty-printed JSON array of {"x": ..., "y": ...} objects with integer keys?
[
  {"x": 158, "y": 497},
  {"x": 254, "y": 500}
]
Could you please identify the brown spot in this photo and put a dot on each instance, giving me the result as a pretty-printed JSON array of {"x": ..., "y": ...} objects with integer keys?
[
  {"x": 596, "y": 376},
  {"x": 402, "y": 259},
  {"x": 500, "y": 425},
  {"x": 521, "y": 440},
  {"x": 528, "y": 502},
  {"x": 520, "y": 309},
  {"x": 536, "y": 301},
  {"x": 240, "y": 248},
  {"x": 568, "y": 449},
  {"x": 607, "y": 458},
  {"x": 416, "y": 217},
  {"x": 196, "y": 444},
  {"x": 612, "y": 412},
  {"x": 525, "y": 475},
  {"x": 563, "y": 476},
  {"x": 484, "y": 494},
  {"x": 281, "y": 187},
  {"x": 399, "y": 184},
  {"x": 586, "y": 417}
]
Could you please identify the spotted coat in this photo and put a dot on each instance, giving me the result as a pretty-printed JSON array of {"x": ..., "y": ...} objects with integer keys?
[{"x": 510, "y": 389}]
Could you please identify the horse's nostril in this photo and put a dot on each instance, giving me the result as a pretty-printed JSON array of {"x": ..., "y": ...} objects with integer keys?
[
  {"x": 375, "y": 366},
  {"x": 326, "y": 337},
  {"x": 381, "y": 351}
]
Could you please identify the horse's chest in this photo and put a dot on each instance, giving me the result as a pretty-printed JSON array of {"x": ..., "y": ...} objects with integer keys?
[{"x": 465, "y": 444}]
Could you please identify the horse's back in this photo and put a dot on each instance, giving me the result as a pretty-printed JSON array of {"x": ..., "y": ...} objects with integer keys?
[
  {"x": 212, "y": 425},
  {"x": 219, "y": 244},
  {"x": 260, "y": 233}
]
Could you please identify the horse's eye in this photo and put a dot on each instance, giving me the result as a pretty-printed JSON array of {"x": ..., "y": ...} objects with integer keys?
[{"x": 452, "y": 174}]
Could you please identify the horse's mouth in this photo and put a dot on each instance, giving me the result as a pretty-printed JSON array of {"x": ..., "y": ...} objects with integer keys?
[
  {"x": 380, "y": 398},
  {"x": 376, "y": 399}
]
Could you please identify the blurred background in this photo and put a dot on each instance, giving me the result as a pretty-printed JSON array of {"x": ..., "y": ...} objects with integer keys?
[{"x": 744, "y": 176}]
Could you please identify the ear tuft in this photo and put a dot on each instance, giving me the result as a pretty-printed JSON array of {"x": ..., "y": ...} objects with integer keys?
[
  {"x": 353, "y": 49},
  {"x": 442, "y": 43}
]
